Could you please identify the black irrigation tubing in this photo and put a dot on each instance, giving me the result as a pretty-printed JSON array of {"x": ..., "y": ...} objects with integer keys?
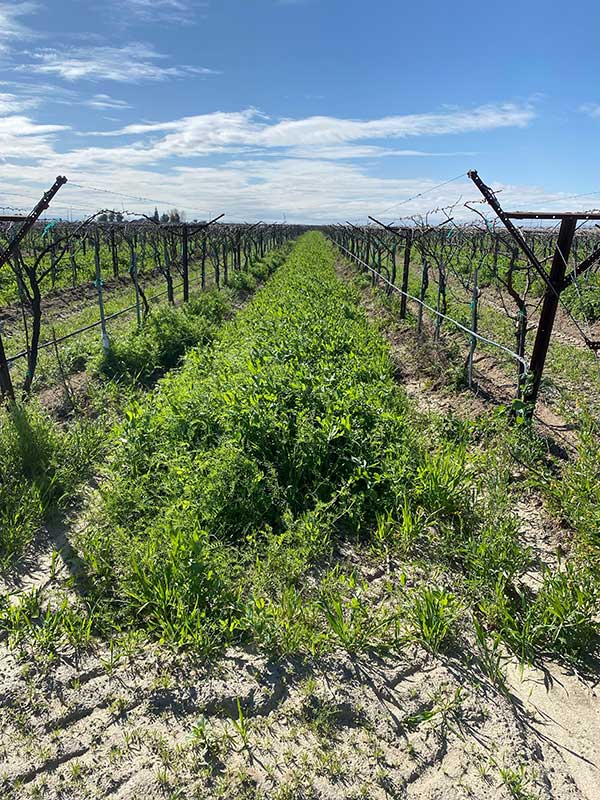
[
  {"x": 434, "y": 311},
  {"x": 89, "y": 327}
]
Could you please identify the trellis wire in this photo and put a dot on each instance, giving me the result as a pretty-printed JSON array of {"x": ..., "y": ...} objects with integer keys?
[
  {"x": 462, "y": 327},
  {"x": 89, "y": 327},
  {"x": 241, "y": 242}
]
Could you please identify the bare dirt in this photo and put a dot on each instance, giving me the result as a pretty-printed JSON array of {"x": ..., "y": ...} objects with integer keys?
[{"x": 150, "y": 723}]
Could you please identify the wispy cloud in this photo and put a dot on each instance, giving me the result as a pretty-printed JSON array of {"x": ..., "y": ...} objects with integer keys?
[
  {"x": 131, "y": 63},
  {"x": 175, "y": 11},
  {"x": 591, "y": 109},
  {"x": 346, "y": 152},
  {"x": 316, "y": 191},
  {"x": 12, "y": 104},
  {"x": 316, "y": 168},
  {"x": 105, "y": 101},
  {"x": 327, "y": 137},
  {"x": 30, "y": 95},
  {"x": 12, "y": 29},
  {"x": 23, "y": 139}
]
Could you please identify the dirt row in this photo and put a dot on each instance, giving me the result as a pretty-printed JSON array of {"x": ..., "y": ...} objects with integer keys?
[{"x": 411, "y": 726}]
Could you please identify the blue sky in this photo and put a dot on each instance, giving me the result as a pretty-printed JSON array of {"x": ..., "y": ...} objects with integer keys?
[{"x": 316, "y": 110}]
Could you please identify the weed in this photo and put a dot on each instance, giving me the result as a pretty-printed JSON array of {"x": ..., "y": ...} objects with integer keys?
[
  {"x": 440, "y": 483},
  {"x": 442, "y": 707},
  {"x": 242, "y": 724},
  {"x": 41, "y": 466},
  {"x": 222, "y": 474},
  {"x": 399, "y": 535},
  {"x": 490, "y": 655},
  {"x": 432, "y": 612},
  {"x": 160, "y": 343},
  {"x": 355, "y": 623},
  {"x": 516, "y": 782},
  {"x": 50, "y": 628},
  {"x": 561, "y": 619}
]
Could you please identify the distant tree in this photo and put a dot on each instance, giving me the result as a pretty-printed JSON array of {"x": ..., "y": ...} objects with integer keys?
[{"x": 156, "y": 216}]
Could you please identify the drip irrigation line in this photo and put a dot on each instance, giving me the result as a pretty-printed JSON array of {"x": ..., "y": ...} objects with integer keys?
[
  {"x": 89, "y": 327},
  {"x": 434, "y": 311}
]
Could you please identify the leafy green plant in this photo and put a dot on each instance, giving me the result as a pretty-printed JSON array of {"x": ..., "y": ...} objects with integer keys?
[
  {"x": 490, "y": 655},
  {"x": 242, "y": 724},
  {"x": 441, "y": 486},
  {"x": 354, "y": 623},
  {"x": 41, "y": 464},
  {"x": 157, "y": 346},
  {"x": 48, "y": 627},
  {"x": 284, "y": 415},
  {"x": 516, "y": 782},
  {"x": 561, "y": 619},
  {"x": 576, "y": 496},
  {"x": 242, "y": 281},
  {"x": 583, "y": 298},
  {"x": 399, "y": 535},
  {"x": 432, "y": 612}
]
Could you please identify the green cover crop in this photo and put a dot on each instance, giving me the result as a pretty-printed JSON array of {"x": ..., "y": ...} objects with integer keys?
[
  {"x": 290, "y": 421},
  {"x": 239, "y": 478}
]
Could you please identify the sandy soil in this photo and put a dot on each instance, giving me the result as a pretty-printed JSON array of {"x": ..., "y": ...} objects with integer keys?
[{"x": 153, "y": 724}]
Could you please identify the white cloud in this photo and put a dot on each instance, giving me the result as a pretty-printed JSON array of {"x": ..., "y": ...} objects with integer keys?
[
  {"x": 131, "y": 63},
  {"x": 12, "y": 104},
  {"x": 316, "y": 191},
  {"x": 329, "y": 130},
  {"x": 252, "y": 127},
  {"x": 11, "y": 27},
  {"x": 591, "y": 109},
  {"x": 313, "y": 137},
  {"x": 23, "y": 139},
  {"x": 175, "y": 11},
  {"x": 350, "y": 151},
  {"x": 30, "y": 95},
  {"x": 105, "y": 101},
  {"x": 313, "y": 172}
]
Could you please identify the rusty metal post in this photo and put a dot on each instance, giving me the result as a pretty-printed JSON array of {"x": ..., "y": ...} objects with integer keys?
[
  {"x": 6, "y": 386},
  {"x": 185, "y": 265},
  {"x": 405, "y": 271},
  {"x": 550, "y": 305}
]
